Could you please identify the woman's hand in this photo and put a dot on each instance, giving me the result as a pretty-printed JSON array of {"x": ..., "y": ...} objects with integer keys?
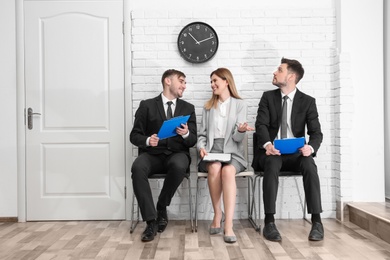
[
  {"x": 244, "y": 127},
  {"x": 202, "y": 152}
]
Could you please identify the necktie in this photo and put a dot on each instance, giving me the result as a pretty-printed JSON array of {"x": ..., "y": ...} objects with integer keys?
[
  {"x": 283, "y": 127},
  {"x": 169, "y": 110}
]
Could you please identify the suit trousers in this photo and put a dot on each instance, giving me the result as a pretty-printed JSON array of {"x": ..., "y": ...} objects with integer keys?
[
  {"x": 174, "y": 165},
  {"x": 273, "y": 164}
]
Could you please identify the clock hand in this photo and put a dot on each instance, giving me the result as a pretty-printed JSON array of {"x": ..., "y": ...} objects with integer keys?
[
  {"x": 206, "y": 39},
  {"x": 194, "y": 38}
]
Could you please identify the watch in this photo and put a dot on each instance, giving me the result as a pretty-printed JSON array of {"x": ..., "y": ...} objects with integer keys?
[{"x": 197, "y": 42}]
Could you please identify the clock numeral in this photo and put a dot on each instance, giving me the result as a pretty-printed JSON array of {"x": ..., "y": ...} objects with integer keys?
[
  {"x": 185, "y": 34},
  {"x": 212, "y": 42},
  {"x": 197, "y": 58},
  {"x": 205, "y": 56},
  {"x": 189, "y": 56},
  {"x": 197, "y": 26},
  {"x": 190, "y": 29},
  {"x": 211, "y": 50},
  {"x": 184, "y": 50}
]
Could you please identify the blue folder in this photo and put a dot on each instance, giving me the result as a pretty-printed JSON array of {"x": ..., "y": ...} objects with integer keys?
[
  {"x": 168, "y": 128},
  {"x": 289, "y": 145}
]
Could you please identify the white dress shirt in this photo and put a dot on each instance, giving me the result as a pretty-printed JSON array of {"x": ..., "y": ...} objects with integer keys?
[{"x": 220, "y": 118}]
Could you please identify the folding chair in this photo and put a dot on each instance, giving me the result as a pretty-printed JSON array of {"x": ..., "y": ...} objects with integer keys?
[
  {"x": 245, "y": 174},
  {"x": 258, "y": 182},
  {"x": 257, "y": 179},
  {"x": 161, "y": 176}
]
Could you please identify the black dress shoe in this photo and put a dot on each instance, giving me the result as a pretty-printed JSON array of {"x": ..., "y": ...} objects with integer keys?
[
  {"x": 150, "y": 232},
  {"x": 316, "y": 232},
  {"x": 271, "y": 233},
  {"x": 162, "y": 220}
]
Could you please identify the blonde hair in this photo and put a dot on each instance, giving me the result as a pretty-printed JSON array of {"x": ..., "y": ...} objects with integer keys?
[{"x": 224, "y": 74}]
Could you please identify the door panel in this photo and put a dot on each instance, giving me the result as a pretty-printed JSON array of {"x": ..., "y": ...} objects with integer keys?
[
  {"x": 75, "y": 165},
  {"x": 80, "y": 78}
]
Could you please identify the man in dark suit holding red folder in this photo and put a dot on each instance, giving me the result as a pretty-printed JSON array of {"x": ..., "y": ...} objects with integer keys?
[
  {"x": 170, "y": 156},
  {"x": 272, "y": 123}
]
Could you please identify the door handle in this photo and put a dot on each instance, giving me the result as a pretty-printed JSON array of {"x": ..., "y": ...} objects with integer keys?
[{"x": 30, "y": 114}]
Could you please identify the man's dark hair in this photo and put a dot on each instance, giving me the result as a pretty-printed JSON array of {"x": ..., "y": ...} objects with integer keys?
[
  {"x": 295, "y": 67},
  {"x": 171, "y": 72}
]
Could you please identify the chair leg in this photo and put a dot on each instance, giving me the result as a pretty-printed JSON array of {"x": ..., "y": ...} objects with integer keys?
[
  {"x": 260, "y": 191},
  {"x": 251, "y": 203},
  {"x": 258, "y": 181},
  {"x": 196, "y": 205},
  {"x": 304, "y": 212},
  {"x": 303, "y": 203},
  {"x": 250, "y": 183},
  {"x": 133, "y": 223},
  {"x": 253, "y": 209},
  {"x": 190, "y": 202}
]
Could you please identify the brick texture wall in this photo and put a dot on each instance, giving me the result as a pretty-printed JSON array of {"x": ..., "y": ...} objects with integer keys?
[{"x": 252, "y": 43}]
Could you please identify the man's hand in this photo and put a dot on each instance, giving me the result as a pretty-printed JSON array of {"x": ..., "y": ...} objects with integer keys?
[
  {"x": 306, "y": 150},
  {"x": 270, "y": 150},
  {"x": 153, "y": 141},
  {"x": 183, "y": 130}
]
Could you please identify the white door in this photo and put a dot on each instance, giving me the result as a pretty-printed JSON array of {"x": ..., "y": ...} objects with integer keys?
[{"x": 75, "y": 134}]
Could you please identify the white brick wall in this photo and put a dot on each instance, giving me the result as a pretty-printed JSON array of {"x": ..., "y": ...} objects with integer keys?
[{"x": 252, "y": 43}]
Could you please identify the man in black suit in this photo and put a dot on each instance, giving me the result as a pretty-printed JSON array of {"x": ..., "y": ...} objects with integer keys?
[
  {"x": 301, "y": 112},
  {"x": 169, "y": 155}
]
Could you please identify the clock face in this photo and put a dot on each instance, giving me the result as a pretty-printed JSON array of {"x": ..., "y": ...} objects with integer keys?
[{"x": 197, "y": 42}]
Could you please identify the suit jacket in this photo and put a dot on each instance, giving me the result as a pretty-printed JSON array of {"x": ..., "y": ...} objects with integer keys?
[
  {"x": 269, "y": 115},
  {"x": 233, "y": 139},
  {"x": 150, "y": 116}
]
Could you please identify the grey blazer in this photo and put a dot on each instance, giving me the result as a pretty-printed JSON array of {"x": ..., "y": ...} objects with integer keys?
[{"x": 233, "y": 139}]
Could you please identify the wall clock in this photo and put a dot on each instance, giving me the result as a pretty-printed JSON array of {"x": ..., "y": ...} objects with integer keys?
[{"x": 197, "y": 42}]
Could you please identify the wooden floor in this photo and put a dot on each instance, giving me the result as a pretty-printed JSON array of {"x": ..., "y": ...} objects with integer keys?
[{"x": 112, "y": 240}]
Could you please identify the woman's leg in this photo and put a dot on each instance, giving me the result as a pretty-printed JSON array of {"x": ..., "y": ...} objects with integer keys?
[
  {"x": 215, "y": 189},
  {"x": 229, "y": 189}
]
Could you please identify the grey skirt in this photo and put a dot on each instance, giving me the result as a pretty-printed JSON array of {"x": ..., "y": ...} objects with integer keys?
[{"x": 218, "y": 148}]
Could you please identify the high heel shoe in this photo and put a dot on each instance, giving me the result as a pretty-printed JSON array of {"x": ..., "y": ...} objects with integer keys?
[
  {"x": 217, "y": 230},
  {"x": 229, "y": 239}
]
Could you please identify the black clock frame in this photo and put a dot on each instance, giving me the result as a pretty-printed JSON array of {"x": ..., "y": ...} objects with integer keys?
[{"x": 192, "y": 49}]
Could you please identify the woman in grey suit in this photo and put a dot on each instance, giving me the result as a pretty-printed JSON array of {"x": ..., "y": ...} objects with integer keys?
[{"x": 223, "y": 128}]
